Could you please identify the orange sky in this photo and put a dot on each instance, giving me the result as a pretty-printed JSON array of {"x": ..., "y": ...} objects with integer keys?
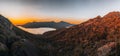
[{"x": 23, "y": 20}]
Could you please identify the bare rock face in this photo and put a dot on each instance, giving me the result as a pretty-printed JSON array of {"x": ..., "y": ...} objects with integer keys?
[{"x": 105, "y": 49}]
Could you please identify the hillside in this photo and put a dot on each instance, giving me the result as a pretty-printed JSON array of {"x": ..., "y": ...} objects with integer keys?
[
  {"x": 16, "y": 42},
  {"x": 52, "y": 24},
  {"x": 101, "y": 35}
]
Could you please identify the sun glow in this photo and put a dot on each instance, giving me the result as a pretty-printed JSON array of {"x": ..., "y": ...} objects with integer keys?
[{"x": 23, "y": 20}]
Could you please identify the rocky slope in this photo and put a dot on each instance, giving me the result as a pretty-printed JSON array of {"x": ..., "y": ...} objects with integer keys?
[
  {"x": 99, "y": 36},
  {"x": 16, "y": 42}
]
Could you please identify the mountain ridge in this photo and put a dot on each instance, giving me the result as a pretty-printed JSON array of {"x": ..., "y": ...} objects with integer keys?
[
  {"x": 93, "y": 34},
  {"x": 52, "y": 24}
]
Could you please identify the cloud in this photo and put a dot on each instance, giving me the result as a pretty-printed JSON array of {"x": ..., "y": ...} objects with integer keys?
[{"x": 61, "y": 8}]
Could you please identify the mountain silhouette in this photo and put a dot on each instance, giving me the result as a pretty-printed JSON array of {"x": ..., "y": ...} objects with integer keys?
[{"x": 52, "y": 24}]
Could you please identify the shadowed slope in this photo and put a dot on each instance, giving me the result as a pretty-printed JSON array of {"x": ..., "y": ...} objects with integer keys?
[{"x": 16, "y": 42}]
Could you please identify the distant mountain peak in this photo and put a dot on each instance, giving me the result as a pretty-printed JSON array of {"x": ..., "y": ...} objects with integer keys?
[
  {"x": 62, "y": 22},
  {"x": 51, "y": 24},
  {"x": 52, "y": 21},
  {"x": 113, "y": 14}
]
